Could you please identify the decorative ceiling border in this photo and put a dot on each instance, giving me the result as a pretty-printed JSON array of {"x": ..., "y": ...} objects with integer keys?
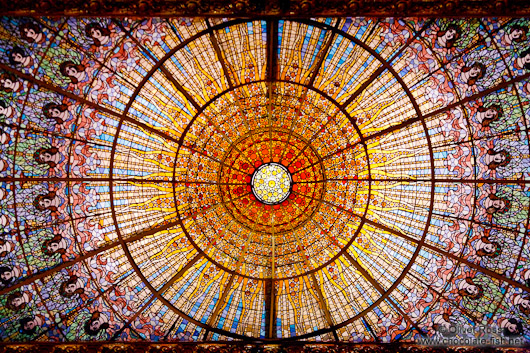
[
  {"x": 255, "y": 8},
  {"x": 142, "y": 347}
]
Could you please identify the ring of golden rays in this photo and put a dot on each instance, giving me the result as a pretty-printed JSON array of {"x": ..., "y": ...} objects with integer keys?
[{"x": 315, "y": 213}]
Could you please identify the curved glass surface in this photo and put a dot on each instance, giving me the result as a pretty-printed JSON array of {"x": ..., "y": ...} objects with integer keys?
[{"x": 136, "y": 204}]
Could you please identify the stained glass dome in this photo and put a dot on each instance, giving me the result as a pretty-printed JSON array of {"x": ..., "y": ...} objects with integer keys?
[{"x": 326, "y": 179}]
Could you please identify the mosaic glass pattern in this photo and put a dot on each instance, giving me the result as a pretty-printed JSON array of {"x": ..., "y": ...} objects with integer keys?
[{"x": 127, "y": 154}]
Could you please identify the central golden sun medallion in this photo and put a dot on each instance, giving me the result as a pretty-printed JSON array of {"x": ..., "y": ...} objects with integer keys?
[{"x": 271, "y": 183}]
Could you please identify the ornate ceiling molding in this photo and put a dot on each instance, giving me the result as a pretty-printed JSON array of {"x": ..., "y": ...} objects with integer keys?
[
  {"x": 105, "y": 347},
  {"x": 253, "y": 8}
]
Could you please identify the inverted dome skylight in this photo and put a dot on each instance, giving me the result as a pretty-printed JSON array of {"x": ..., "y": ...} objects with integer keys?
[{"x": 347, "y": 179}]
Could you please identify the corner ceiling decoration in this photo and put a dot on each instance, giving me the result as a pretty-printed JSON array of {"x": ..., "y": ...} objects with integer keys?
[{"x": 350, "y": 179}]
